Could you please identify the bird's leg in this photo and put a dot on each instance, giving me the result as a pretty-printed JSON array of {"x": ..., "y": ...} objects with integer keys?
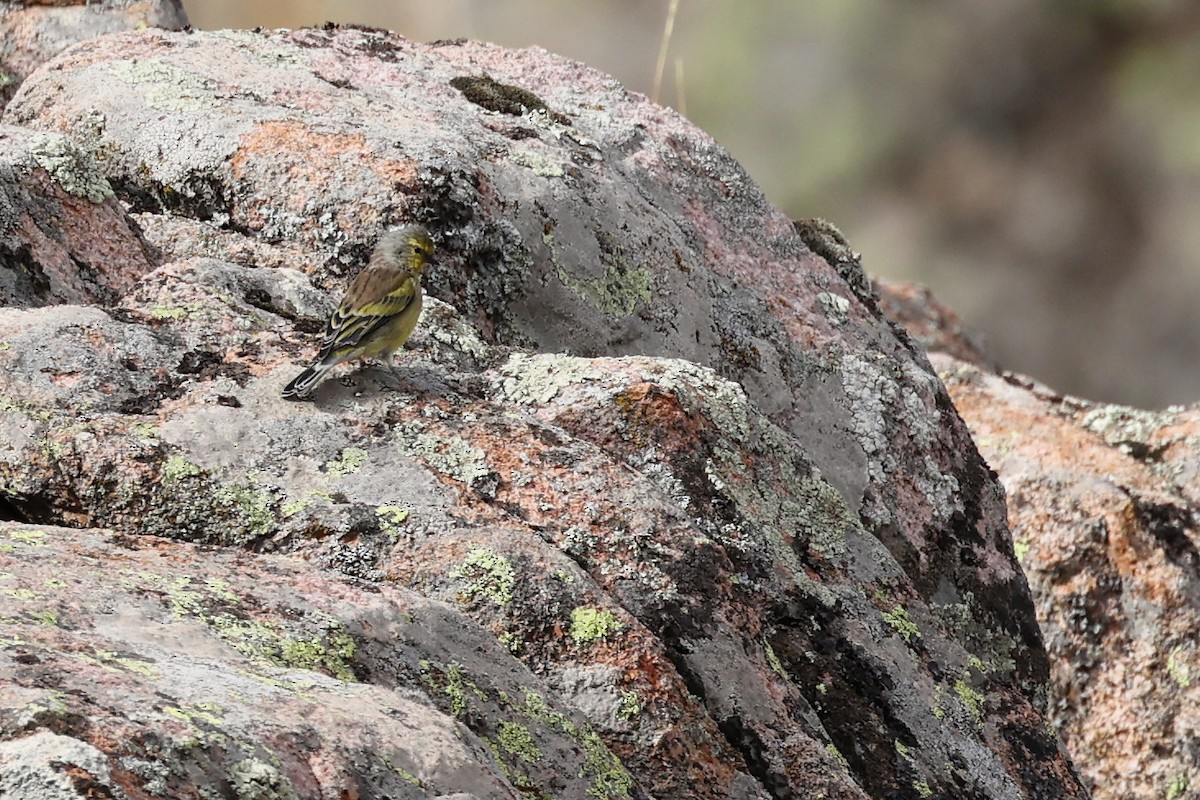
[{"x": 390, "y": 361}]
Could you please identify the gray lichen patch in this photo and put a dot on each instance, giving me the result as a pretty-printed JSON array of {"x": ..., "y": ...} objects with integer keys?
[
  {"x": 540, "y": 165},
  {"x": 70, "y": 168},
  {"x": 616, "y": 293},
  {"x": 452, "y": 456},
  {"x": 537, "y": 379},
  {"x": 442, "y": 323},
  {"x": 170, "y": 88},
  {"x": 1127, "y": 428},
  {"x": 884, "y": 400}
]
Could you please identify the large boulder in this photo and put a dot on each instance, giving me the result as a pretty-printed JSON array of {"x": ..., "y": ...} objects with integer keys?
[
  {"x": 34, "y": 31},
  {"x": 64, "y": 236},
  {"x": 724, "y": 528},
  {"x": 1104, "y": 503}
]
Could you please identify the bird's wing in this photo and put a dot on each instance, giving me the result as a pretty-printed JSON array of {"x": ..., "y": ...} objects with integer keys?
[{"x": 374, "y": 297}]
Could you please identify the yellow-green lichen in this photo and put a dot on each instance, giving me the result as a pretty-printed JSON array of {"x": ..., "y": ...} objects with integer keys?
[
  {"x": 174, "y": 313},
  {"x": 25, "y": 407},
  {"x": 489, "y": 575},
  {"x": 28, "y": 537},
  {"x": 590, "y": 624},
  {"x": 903, "y": 624},
  {"x": 1178, "y": 669},
  {"x": 837, "y": 756},
  {"x": 177, "y": 468},
  {"x": 349, "y": 462},
  {"x": 113, "y": 661},
  {"x": 922, "y": 789},
  {"x": 1021, "y": 549},
  {"x": 608, "y": 776},
  {"x": 252, "y": 504},
  {"x": 47, "y": 618},
  {"x": 52, "y": 450},
  {"x": 971, "y": 699},
  {"x": 208, "y": 713},
  {"x": 403, "y": 774},
  {"x": 390, "y": 520},
  {"x": 287, "y": 682},
  {"x": 514, "y": 742},
  {"x": 51, "y": 704},
  {"x": 1177, "y": 787},
  {"x": 145, "y": 431},
  {"x": 630, "y": 705},
  {"x": 221, "y": 590},
  {"x": 996, "y": 646},
  {"x": 295, "y": 506},
  {"x": 616, "y": 294},
  {"x": 182, "y": 600},
  {"x": 70, "y": 168},
  {"x": 515, "y": 739},
  {"x": 773, "y": 660},
  {"x": 330, "y": 652},
  {"x": 451, "y": 682}
]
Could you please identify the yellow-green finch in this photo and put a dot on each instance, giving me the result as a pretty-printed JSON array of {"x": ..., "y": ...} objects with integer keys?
[{"x": 380, "y": 308}]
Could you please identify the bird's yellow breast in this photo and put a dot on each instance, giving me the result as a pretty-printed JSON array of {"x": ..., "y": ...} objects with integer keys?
[{"x": 392, "y": 335}]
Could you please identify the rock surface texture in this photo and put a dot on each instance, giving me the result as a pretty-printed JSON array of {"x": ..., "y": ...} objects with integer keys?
[
  {"x": 661, "y": 505},
  {"x": 1104, "y": 503},
  {"x": 33, "y": 31}
]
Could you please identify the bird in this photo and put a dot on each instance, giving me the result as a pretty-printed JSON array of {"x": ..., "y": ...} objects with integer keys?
[{"x": 379, "y": 311}]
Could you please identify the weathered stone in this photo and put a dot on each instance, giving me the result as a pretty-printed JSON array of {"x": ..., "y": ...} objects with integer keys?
[
  {"x": 1104, "y": 503},
  {"x": 64, "y": 237},
  {"x": 34, "y": 31},
  {"x": 645, "y": 438}
]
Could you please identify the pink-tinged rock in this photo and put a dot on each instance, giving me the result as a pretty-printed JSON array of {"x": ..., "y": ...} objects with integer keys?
[
  {"x": 64, "y": 237},
  {"x": 936, "y": 327},
  {"x": 34, "y": 31},
  {"x": 674, "y": 463},
  {"x": 148, "y": 668},
  {"x": 1103, "y": 505}
]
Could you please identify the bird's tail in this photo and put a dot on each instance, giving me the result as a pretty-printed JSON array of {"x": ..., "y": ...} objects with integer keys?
[{"x": 303, "y": 383}]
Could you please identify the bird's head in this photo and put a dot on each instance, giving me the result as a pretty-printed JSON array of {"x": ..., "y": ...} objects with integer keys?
[{"x": 408, "y": 247}]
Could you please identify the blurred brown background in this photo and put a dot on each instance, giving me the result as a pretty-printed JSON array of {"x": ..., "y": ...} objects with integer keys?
[{"x": 1036, "y": 162}]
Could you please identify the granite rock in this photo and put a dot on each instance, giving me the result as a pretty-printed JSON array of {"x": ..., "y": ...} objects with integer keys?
[{"x": 659, "y": 504}]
